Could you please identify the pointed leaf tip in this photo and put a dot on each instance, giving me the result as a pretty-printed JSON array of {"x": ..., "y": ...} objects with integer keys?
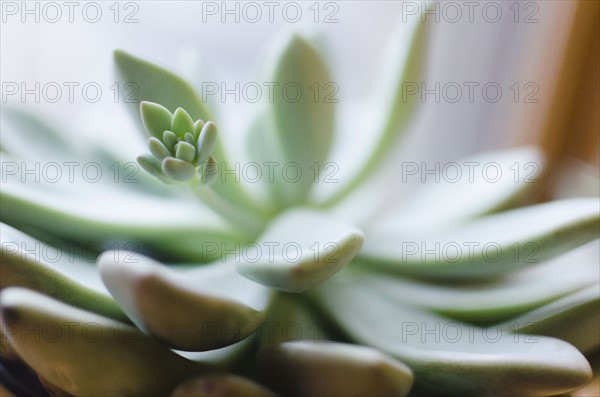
[
  {"x": 156, "y": 118},
  {"x": 182, "y": 122},
  {"x": 315, "y": 246}
]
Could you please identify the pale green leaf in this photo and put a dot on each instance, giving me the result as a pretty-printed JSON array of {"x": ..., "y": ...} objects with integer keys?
[
  {"x": 201, "y": 309},
  {"x": 27, "y": 136},
  {"x": 300, "y": 249},
  {"x": 498, "y": 299},
  {"x": 185, "y": 151},
  {"x": 488, "y": 246},
  {"x": 182, "y": 122},
  {"x": 260, "y": 149},
  {"x": 207, "y": 139},
  {"x": 156, "y": 84},
  {"x": 153, "y": 166},
  {"x": 54, "y": 269},
  {"x": 158, "y": 149},
  {"x": 301, "y": 116},
  {"x": 462, "y": 190},
  {"x": 450, "y": 357},
  {"x": 403, "y": 65},
  {"x": 574, "y": 318},
  {"x": 177, "y": 169},
  {"x": 289, "y": 318},
  {"x": 170, "y": 140},
  {"x": 156, "y": 118},
  {"x": 109, "y": 217}
]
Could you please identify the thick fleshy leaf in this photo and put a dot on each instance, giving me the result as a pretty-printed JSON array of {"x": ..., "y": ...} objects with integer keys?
[
  {"x": 300, "y": 249},
  {"x": 201, "y": 309},
  {"x": 26, "y": 136},
  {"x": 78, "y": 351},
  {"x": 170, "y": 140},
  {"x": 499, "y": 299},
  {"x": 449, "y": 357},
  {"x": 403, "y": 65},
  {"x": 489, "y": 246},
  {"x": 108, "y": 217},
  {"x": 52, "y": 154},
  {"x": 317, "y": 366},
  {"x": 59, "y": 271},
  {"x": 221, "y": 386},
  {"x": 185, "y": 151},
  {"x": 153, "y": 166},
  {"x": 207, "y": 139},
  {"x": 574, "y": 318},
  {"x": 156, "y": 118},
  {"x": 462, "y": 190},
  {"x": 158, "y": 149},
  {"x": 177, "y": 169},
  {"x": 181, "y": 123},
  {"x": 289, "y": 318},
  {"x": 301, "y": 116},
  {"x": 308, "y": 368},
  {"x": 259, "y": 148}
]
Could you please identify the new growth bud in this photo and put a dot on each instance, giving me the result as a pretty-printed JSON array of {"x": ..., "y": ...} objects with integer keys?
[{"x": 178, "y": 145}]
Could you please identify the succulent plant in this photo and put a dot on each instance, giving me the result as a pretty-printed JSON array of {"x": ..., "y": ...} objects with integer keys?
[{"x": 273, "y": 289}]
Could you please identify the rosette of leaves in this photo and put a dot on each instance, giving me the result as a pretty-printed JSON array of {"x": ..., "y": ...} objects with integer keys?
[{"x": 193, "y": 294}]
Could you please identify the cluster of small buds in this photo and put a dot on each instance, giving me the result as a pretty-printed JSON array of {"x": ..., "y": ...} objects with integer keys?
[{"x": 180, "y": 147}]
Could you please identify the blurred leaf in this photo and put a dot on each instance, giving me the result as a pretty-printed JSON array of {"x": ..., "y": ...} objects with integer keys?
[
  {"x": 156, "y": 118},
  {"x": 403, "y": 66},
  {"x": 106, "y": 216},
  {"x": 300, "y": 125},
  {"x": 54, "y": 270},
  {"x": 496, "y": 300},
  {"x": 216, "y": 307},
  {"x": 221, "y": 386},
  {"x": 467, "y": 191},
  {"x": 574, "y": 318},
  {"x": 449, "y": 357},
  {"x": 156, "y": 84},
  {"x": 489, "y": 246},
  {"x": 27, "y": 136},
  {"x": 87, "y": 349},
  {"x": 309, "y": 368},
  {"x": 300, "y": 250}
]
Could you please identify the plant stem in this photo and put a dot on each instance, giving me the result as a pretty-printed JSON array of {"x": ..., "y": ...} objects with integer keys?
[{"x": 250, "y": 224}]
